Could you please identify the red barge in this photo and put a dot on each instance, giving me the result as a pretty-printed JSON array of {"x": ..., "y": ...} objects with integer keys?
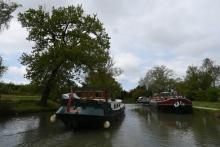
[{"x": 170, "y": 102}]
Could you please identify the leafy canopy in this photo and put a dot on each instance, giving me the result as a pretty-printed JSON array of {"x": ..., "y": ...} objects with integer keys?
[
  {"x": 105, "y": 80},
  {"x": 5, "y": 13},
  {"x": 158, "y": 79},
  {"x": 203, "y": 77},
  {"x": 67, "y": 42}
]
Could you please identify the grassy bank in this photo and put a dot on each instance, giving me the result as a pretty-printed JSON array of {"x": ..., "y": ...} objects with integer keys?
[
  {"x": 204, "y": 104},
  {"x": 16, "y": 104},
  {"x": 212, "y": 107}
]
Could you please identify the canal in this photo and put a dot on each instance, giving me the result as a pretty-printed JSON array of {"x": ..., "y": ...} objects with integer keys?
[{"x": 141, "y": 127}]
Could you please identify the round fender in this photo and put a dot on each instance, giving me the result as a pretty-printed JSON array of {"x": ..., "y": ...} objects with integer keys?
[
  {"x": 176, "y": 104},
  {"x": 53, "y": 118},
  {"x": 106, "y": 124}
]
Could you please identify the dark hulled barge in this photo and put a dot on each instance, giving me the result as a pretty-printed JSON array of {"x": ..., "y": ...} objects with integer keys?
[{"x": 90, "y": 109}]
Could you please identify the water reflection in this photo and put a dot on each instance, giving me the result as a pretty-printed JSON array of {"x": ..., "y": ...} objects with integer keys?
[
  {"x": 198, "y": 129},
  {"x": 141, "y": 127}
]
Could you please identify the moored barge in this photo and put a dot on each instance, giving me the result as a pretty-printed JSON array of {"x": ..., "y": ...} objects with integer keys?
[
  {"x": 169, "y": 102},
  {"x": 89, "y": 109}
]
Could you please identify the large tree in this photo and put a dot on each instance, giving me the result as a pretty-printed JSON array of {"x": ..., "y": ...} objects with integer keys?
[
  {"x": 158, "y": 79},
  {"x": 6, "y": 10},
  {"x": 200, "y": 79},
  {"x": 67, "y": 43},
  {"x": 203, "y": 77},
  {"x": 209, "y": 74}
]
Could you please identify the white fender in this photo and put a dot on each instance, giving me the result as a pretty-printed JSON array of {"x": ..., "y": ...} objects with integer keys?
[
  {"x": 53, "y": 118},
  {"x": 106, "y": 124},
  {"x": 176, "y": 104}
]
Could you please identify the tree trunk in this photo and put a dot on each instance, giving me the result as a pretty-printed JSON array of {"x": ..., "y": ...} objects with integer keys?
[
  {"x": 45, "y": 94},
  {"x": 48, "y": 86}
]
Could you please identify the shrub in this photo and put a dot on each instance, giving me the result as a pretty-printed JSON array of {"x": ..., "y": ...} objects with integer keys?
[
  {"x": 201, "y": 95},
  {"x": 190, "y": 94},
  {"x": 212, "y": 94}
]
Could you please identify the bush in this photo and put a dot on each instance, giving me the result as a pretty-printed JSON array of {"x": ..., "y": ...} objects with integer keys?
[
  {"x": 200, "y": 95},
  {"x": 212, "y": 94},
  {"x": 190, "y": 94}
]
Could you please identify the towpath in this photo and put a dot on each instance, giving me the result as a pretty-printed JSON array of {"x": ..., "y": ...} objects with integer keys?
[{"x": 206, "y": 108}]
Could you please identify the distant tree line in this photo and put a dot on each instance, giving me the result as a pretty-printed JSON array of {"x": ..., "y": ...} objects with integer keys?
[
  {"x": 18, "y": 89},
  {"x": 200, "y": 83}
]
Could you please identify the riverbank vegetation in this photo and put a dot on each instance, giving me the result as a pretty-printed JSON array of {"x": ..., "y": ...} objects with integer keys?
[
  {"x": 18, "y": 104},
  {"x": 200, "y": 84},
  {"x": 205, "y": 104}
]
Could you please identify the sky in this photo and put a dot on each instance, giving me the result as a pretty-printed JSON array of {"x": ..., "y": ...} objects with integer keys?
[{"x": 144, "y": 34}]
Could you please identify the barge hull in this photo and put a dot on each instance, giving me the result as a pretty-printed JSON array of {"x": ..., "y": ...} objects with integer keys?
[
  {"x": 75, "y": 121},
  {"x": 170, "y": 108}
]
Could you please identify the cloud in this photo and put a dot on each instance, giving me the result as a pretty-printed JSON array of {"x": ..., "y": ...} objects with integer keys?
[
  {"x": 13, "y": 40},
  {"x": 130, "y": 65},
  {"x": 15, "y": 74},
  {"x": 17, "y": 71}
]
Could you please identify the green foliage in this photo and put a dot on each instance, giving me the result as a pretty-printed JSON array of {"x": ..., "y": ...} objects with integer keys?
[
  {"x": 132, "y": 95},
  {"x": 192, "y": 78},
  {"x": 200, "y": 82},
  {"x": 8, "y": 107},
  {"x": 103, "y": 79},
  {"x": 17, "y": 98},
  {"x": 181, "y": 88},
  {"x": 13, "y": 89},
  {"x": 190, "y": 94},
  {"x": 137, "y": 92},
  {"x": 124, "y": 94},
  {"x": 200, "y": 95},
  {"x": 67, "y": 44},
  {"x": 6, "y": 10},
  {"x": 158, "y": 79},
  {"x": 212, "y": 94}
]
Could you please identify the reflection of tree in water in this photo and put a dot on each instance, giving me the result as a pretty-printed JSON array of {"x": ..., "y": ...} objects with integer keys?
[
  {"x": 165, "y": 128},
  {"x": 55, "y": 134},
  {"x": 170, "y": 120},
  {"x": 43, "y": 129},
  {"x": 13, "y": 129},
  {"x": 3, "y": 122},
  {"x": 195, "y": 129},
  {"x": 157, "y": 127},
  {"x": 206, "y": 129}
]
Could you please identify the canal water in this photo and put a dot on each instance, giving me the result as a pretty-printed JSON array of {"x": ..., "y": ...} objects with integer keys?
[{"x": 141, "y": 127}]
